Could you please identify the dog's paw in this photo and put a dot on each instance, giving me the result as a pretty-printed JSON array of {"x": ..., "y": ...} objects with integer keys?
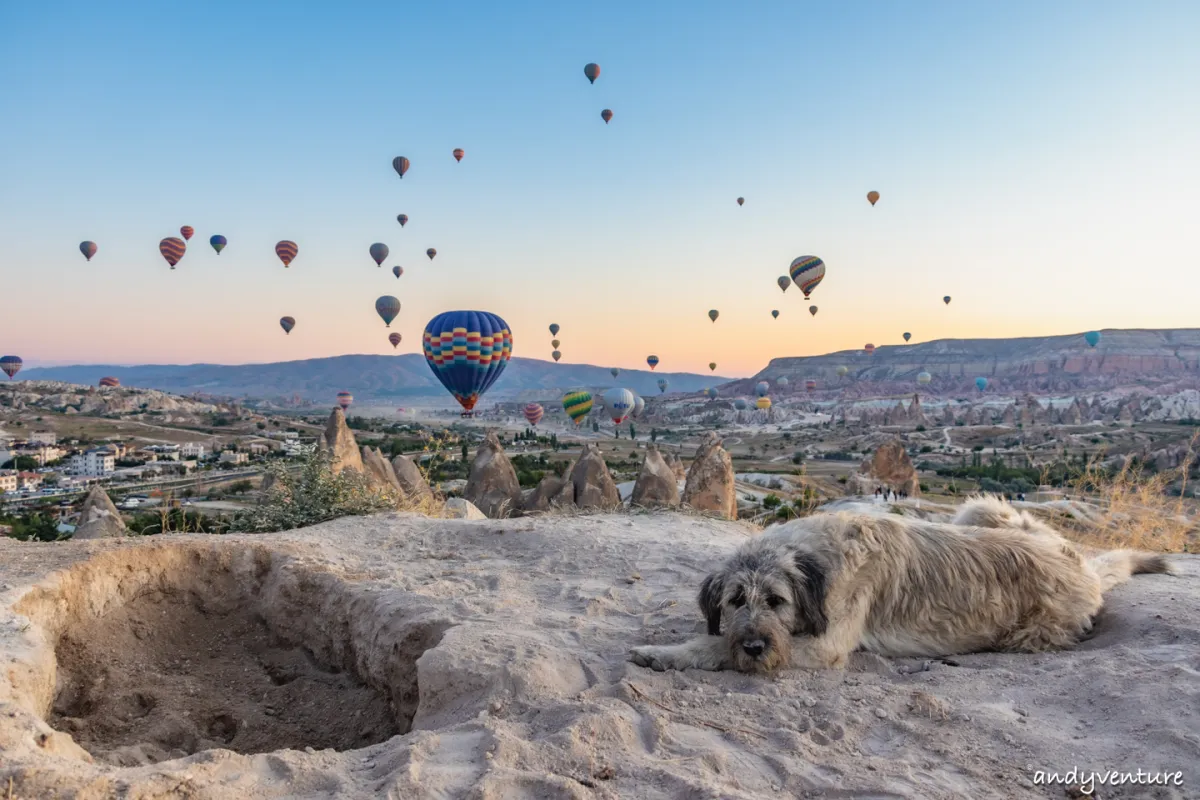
[{"x": 656, "y": 658}]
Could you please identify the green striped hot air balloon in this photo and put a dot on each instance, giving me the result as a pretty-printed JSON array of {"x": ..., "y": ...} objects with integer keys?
[{"x": 577, "y": 404}]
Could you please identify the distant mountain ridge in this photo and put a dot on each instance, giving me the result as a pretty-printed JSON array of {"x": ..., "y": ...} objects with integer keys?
[{"x": 368, "y": 377}]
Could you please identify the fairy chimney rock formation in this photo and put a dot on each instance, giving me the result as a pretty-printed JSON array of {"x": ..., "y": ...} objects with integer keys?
[
  {"x": 593, "y": 485},
  {"x": 710, "y": 481},
  {"x": 492, "y": 486},
  {"x": 99, "y": 518},
  {"x": 656, "y": 484}
]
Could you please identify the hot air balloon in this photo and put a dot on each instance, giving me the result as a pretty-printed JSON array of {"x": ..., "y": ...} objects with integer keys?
[
  {"x": 533, "y": 413},
  {"x": 556, "y": 355},
  {"x": 713, "y": 314},
  {"x": 618, "y": 402},
  {"x": 11, "y": 365},
  {"x": 807, "y": 272},
  {"x": 907, "y": 336},
  {"x": 431, "y": 253},
  {"x": 652, "y": 361},
  {"x": 711, "y": 393},
  {"x": 387, "y": 307},
  {"x": 555, "y": 343},
  {"x": 810, "y": 386},
  {"x": 577, "y": 404},
  {"x": 615, "y": 371},
  {"x": 400, "y": 164},
  {"x": 782, "y": 380},
  {"x": 394, "y": 338},
  {"x": 287, "y": 251},
  {"x": 712, "y": 366},
  {"x": 218, "y": 242},
  {"x": 762, "y": 403},
  {"x": 186, "y": 232},
  {"x": 88, "y": 249},
  {"x": 379, "y": 251},
  {"x": 869, "y": 349},
  {"x": 459, "y": 153},
  {"x": 946, "y": 299},
  {"x": 287, "y": 323},
  {"x": 110, "y": 382},
  {"x": 784, "y": 282},
  {"x": 663, "y": 383},
  {"x": 172, "y": 250},
  {"x": 397, "y": 271},
  {"x": 606, "y": 115},
  {"x": 740, "y": 404},
  {"x": 842, "y": 371},
  {"x": 467, "y": 351},
  {"x": 873, "y": 197},
  {"x": 741, "y": 200},
  {"x": 402, "y": 219},
  {"x": 775, "y": 313},
  {"x": 554, "y": 328},
  {"x": 924, "y": 378},
  {"x": 344, "y": 399},
  {"x": 812, "y": 310},
  {"x": 761, "y": 388},
  {"x": 592, "y": 71},
  {"x": 981, "y": 383},
  {"x": 639, "y": 405},
  {"x": 1092, "y": 338}
]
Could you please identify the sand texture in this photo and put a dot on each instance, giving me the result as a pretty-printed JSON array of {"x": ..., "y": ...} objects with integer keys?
[{"x": 398, "y": 656}]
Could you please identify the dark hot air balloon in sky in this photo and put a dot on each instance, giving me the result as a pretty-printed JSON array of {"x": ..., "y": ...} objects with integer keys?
[
  {"x": 397, "y": 271},
  {"x": 740, "y": 404},
  {"x": 1092, "y": 338},
  {"x": 775, "y": 313},
  {"x": 467, "y": 351},
  {"x": 712, "y": 366},
  {"x": 88, "y": 249},
  {"x": 431, "y": 253},
  {"x": 459, "y": 153},
  {"x": 813, "y": 310},
  {"x": 556, "y": 355},
  {"x": 218, "y": 242},
  {"x": 606, "y": 115},
  {"x": 554, "y": 328},
  {"x": 663, "y": 383},
  {"x": 981, "y": 383},
  {"x": 761, "y": 388},
  {"x": 379, "y": 251},
  {"x": 387, "y": 307},
  {"x": 186, "y": 232},
  {"x": 400, "y": 164},
  {"x": 615, "y": 371},
  {"x": 873, "y": 197},
  {"x": 907, "y": 336},
  {"x": 394, "y": 338},
  {"x": 592, "y": 71},
  {"x": 11, "y": 365},
  {"x": 286, "y": 251},
  {"x": 287, "y": 323},
  {"x": 783, "y": 282},
  {"x": 714, "y": 314},
  {"x": 711, "y": 393},
  {"x": 741, "y": 200},
  {"x": 402, "y": 219},
  {"x": 555, "y": 343},
  {"x": 946, "y": 299},
  {"x": 172, "y": 250},
  {"x": 652, "y": 361}
]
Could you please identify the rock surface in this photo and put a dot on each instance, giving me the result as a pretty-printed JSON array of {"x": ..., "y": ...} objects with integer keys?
[
  {"x": 593, "y": 486},
  {"x": 338, "y": 441},
  {"x": 891, "y": 468},
  {"x": 410, "y": 480},
  {"x": 458, "y": 508},
  {"x": 492, "y": 485},
  {"x": 710, "y": 481},
  {"x": 657, "y": 484},
  {"x": 98, "y": 517}
]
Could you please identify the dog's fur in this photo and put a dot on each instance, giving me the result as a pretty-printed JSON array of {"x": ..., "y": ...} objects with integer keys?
[{"x": 810, "y": 592}]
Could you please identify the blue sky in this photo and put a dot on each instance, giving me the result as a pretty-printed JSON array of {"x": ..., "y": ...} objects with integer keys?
[{"x": 1036, "y": 161}]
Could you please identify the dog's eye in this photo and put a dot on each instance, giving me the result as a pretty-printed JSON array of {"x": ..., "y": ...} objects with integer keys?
[
  {"x": 775, "y": 601},
  {"x": 738, "y": 600}
]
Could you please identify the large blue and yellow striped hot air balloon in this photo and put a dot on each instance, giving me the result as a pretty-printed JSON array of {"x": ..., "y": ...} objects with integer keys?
[
  {"x": 807, "y": 272},
  {"x": 467, "y": 351},
  {"x": 172, "y": 250},
  {"x": 387, "y": 307},
  {"x": 577, "y": 404}
]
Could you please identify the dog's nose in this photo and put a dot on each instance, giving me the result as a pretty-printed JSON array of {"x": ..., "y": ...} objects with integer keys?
[{"x": 754, "y": 648}]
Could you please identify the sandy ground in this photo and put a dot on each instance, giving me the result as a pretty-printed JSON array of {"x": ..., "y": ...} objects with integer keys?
[{"x": 487, "y": 660}]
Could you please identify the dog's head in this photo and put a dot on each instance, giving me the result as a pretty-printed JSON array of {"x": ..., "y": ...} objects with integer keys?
[{"x": 768, "y": 594}]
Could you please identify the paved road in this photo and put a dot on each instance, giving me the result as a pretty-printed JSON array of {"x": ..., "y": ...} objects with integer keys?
[{"x": 201, "y": 479}]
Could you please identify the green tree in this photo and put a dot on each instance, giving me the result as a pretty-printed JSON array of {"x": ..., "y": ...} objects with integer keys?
[
  {"x": 464, "y": 451},
  {"x": 595, "y": 427},
  {"x": 632, "y": 431}
]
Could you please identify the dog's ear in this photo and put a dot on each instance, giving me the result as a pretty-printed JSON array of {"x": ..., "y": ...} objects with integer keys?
[
  {"x": 711, "y": 591},
  {"x": 808, "y": 594}
]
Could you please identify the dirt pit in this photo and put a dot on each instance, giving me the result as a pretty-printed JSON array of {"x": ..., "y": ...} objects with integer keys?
[{"x": 188, "y": 651}]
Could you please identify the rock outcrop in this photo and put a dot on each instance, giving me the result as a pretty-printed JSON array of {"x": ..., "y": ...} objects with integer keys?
[
  {"x": 676, "y": 464},
  {"x": 592, "y": 484},
  {"x": 410, "y": 479},
  {"x": 99, "y": 518},
  {"x": 656, "y": 484},
  {"x": 458, "y": 508},
  {"x": 379, "y": 471},
  {"x": 891, "y": 468},
  {"x": 710, "y": 481},
  {"x": 553, "y": 491},
  {"x": 338, "y": 441},
  {"x": 492, "y": 485}
]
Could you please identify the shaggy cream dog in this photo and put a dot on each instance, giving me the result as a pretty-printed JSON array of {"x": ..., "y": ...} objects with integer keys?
[{"x": 810, "y": 592}]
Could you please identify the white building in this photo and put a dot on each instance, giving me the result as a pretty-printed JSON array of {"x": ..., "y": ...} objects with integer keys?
[
  {"x": 234, "y": 457},
  {"x": 42, "y": 453},
  {"x": 93, "y": 464},
  {"x": 43, "y": 437},
  {"x": 162, "y": 452},
  {"x": 192, "y": 450}
]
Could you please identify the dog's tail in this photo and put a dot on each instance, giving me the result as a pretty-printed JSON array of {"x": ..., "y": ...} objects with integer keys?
[
  {"x": 1116, "y": 566},
  {"x": 990, "y": 511}
]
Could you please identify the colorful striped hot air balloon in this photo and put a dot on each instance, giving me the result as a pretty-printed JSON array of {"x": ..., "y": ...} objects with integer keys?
[
  {"x": 110, "y": 381},
  {"x": 394, "y": 338},
  {"x": 344, "y": 399},
  {"x": 287, "y": 323},
  {"x": 431, "y": 253},
  {"x": 807, "y": 272},
  {"x": 652, "y": 361},
  {"x": 459, "y": 153},
  {"x": 762, "y": 403},
  {"x": 810, "y": 386},
  {"x": 592, "y": 71},
  {"x": 172, "y": 250},
  {"x": 379, "y": 251},
  {"x": 88, "y": 249},
  {"x": 387, "y": 307},
  {"x": 397, "y": 271},
  {"x": 402, "y": 219},
  {"x": 11, "y": 365},
  {"x": 606, "y": 115},
  {"x": 618, "y": 402},
  {"x": 869, "y": 349},
  {"x": 577, "y": 404},
  {"x": 186, "y": 232},
  {"x": 467, "y": 351},
  {"x": 534, "y": 413},
  {"x": 663, "y": 383},
  {"x": 286, "y": 250},
  {"x": 761, "y": 388},
  {"x": 924, "y": 378},
  {"x": 400, "y": 164},
  {"x": 218, "y": 242}
]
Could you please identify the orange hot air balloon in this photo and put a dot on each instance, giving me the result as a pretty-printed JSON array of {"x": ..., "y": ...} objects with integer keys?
[
  {"x": 459, "y": 153},
  {"x": 873, "y": 197},
  {"x": 286, "y": 251},
  {"x": 186, "y": 232},
  {"x": 172, "y": 250},
  {"x": 870, "y": 349},
  {"x": 606, "y": 115},
  {"x": 394, "y": 338}
]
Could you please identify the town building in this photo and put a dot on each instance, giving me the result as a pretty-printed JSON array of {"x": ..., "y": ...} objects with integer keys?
[
  {"x": 41, "y": 453},
  {"x": 8, "y": 480},
  {"x": 29, "y": 481},
  {"x": 162, "y": 452},
  {"x": 234, "y": 457},
  {"x": 96, "y": 463},
  {"x": 43, "y": 437},
  {"x": 192, "y": 450}
]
